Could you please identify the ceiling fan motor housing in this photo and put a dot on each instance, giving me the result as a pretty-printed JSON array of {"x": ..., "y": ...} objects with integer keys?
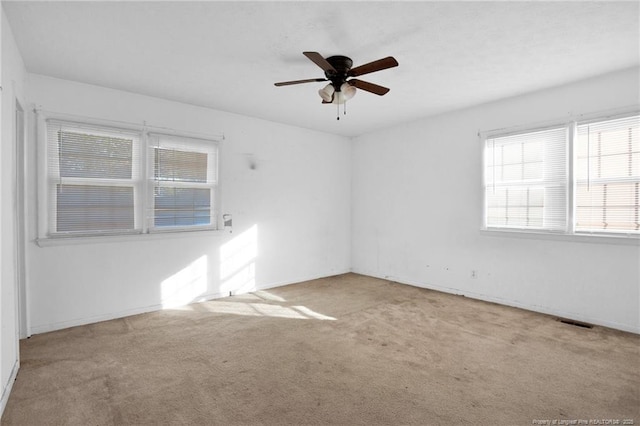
[{"x": 342, "y": 65}]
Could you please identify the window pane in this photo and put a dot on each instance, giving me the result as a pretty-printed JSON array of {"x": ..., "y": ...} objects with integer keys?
[
  {"x": 515, "y": 207},
  {"x": 512, "y": 172},
  {"x": 515, "y": 158},
  {"x": 94, "y": 208},
  {"x": 532, "y": 171},
  {"x": 532, "y": 152},
  {"x": 526, "y": 179},
  {"x": 606, "y": 207},
  {"x": 94, "y": 156},
  {"x": 496, "y": 216},
  {"x": 512, "y": 153},
  {"x": 607, "y": 173},
  {"x": 182, "y": 206},
  {"x": 618, "y": 219},
  {"x": 190, "y": 163},
  {"x": 183, "y": 166},
  {"x": 614, "y": 165}
]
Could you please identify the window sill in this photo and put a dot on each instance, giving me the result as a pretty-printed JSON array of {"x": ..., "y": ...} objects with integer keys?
[
  {"x": 158, "y": 235},
  {"x": 581, "y": 238}
]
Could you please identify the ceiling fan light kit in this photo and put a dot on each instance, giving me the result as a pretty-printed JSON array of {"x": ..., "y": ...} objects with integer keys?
[
  {"x": 330, "y": 95},
  {"x": 337, "y": 70}
]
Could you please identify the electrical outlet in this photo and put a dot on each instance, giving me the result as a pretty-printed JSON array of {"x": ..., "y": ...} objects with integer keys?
[{"x": 474, "y": 273}]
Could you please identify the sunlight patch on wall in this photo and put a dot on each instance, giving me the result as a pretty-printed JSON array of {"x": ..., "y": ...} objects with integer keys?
[
  {"x": 237, "y": 263},
  {"x": 186, "y": 285}
]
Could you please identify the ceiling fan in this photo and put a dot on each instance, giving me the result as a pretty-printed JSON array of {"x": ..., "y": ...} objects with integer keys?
[{"x": 337, "y": 69}]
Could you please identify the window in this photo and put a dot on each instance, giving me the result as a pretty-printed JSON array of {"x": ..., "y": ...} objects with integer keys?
[
  {"x": 607, "y": 176},
  {"x": 526, "y": 177},
  {"x": 539, "y": 181},
  {"x": 95, "y": 184},
  {"x": 93, "y": 177},
  {"x": 184, "y": 178}
]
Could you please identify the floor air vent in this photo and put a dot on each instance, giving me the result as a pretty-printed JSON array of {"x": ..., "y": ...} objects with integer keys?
[{"x": 576, "y": 323}]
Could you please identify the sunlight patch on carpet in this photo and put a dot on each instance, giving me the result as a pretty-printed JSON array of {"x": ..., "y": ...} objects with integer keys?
[{"x": 264, "y": 310}]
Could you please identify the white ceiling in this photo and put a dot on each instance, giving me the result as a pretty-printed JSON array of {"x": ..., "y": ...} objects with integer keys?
[{"x": 227, "y": 55}]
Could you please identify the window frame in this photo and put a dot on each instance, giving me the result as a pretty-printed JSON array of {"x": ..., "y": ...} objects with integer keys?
[
  {"x": 544, "y": 182},
  {"x": 53, "y": 177},
  {"x": 47, "y": 234},
  {"x": 596, "y": 181},
  {"x": 569, "y": 233},
  {"x": 199, "y": 145}
]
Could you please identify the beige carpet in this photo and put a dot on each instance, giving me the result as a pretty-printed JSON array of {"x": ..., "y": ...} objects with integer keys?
[{"x": 345, "y": 350}]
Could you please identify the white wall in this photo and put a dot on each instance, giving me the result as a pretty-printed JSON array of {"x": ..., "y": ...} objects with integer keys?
[
  {"x": 417, "y": 208},
  {"x": 293, "y": 210},
  {"x": 12, "y": 77}
]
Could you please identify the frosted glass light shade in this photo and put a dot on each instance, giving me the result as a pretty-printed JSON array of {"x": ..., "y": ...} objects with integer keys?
[
  {"x": 326, "y": 93},
  {"x": 346, "y": 92}
]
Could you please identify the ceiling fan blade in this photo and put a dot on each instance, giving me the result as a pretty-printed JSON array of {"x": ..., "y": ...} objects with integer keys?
[
  {"x": 310, "y": 80},
  {"x": 369, "y": 87},
  {"x": 380, "y": 64},
  {"x": 320, "y": 61}
]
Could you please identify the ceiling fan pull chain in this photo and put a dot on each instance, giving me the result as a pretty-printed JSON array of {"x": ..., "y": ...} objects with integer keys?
[{"x": 338, "y": 115}]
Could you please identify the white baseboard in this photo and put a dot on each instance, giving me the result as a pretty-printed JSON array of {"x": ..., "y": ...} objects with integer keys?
[
  {"x": 45, "y": 328},
  {"x": 507, "y": 302},
  {"x": 298, "y": 280},
  {"x": 7, "y": 387}
]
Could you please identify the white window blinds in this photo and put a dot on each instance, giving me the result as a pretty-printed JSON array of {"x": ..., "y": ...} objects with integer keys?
[
  {"x": 183, "y": 182},
  {"x": 102, "y": 179},
  {"x": 92, "y": 177},
  {"x": 526, "y": 180},
  {"x": 607, "y": 176}
]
